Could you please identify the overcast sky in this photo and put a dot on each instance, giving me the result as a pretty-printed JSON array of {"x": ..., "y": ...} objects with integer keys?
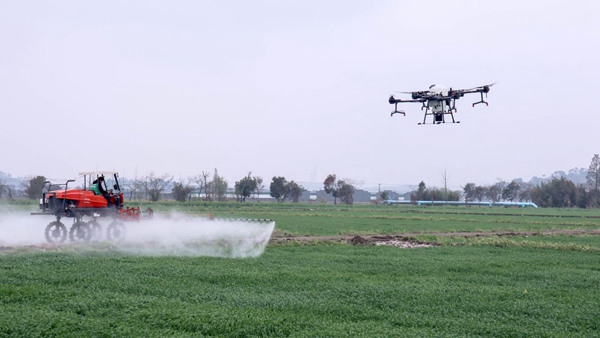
[{"x": 296, "y": 88}]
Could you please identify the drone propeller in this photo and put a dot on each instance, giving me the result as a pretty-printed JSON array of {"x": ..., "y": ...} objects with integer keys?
[{"x": 481, "y": 87}]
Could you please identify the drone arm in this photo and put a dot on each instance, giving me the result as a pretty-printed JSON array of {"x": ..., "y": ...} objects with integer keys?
[
  {"x": 480, "y": 90},
  {"x": 395, "y": 102}
]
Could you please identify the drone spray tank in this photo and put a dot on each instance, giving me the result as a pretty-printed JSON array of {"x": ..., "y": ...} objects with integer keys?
[{"x": 438, "y": 107}]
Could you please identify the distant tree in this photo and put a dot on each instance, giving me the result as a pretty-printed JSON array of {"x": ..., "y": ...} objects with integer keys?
[
  {"x": 525, "y": 192},
  {"x": 436, "y": 194},
  {"x": 219, "y": 187},
  {"x": 294, "y": 190},
  {"x": 181, "y": 191},
  {"x": 346, "y": 191},
  {"x": 593, "y": 181},
  {"x": 384, "y": 195},
  {"x": 469, "y": 192},
  {"x": 494, "y": 192},
  {"x": 582, "y": 197},
  {"x": 279, "y": 188},
  {"x": 453, "y": 195},
  {"x": 342, "y": 189},
  {"x": 9, "y": 193},
  {"x": 202, "y": 181},
  {"x": 3, "y": 186},
  {"x": 559, "y": 192},
  {"x": 511, "y": 191},
  {"x": 593, "y": 173},
  {"x": 480, "y": 192},
  {"x": 445, "y": 177},
  {"x": 245, "y": 187},
  {"x": 259, "y": 186},
  {"x": 34, "y": 186},
  {"x": 420, "y": 194},
  {"x": 155, "y": 185},
  {"x": 331, "y": 187},
  {"x": 134, "y": 187}
]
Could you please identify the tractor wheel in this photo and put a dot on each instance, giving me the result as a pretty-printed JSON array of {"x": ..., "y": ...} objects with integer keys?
[
  {"x": 56, "y": 232},
  {"x": 115, "y": 231},
  {"x": 80, "y": 232},
  {"x": 96, "y": 230}
]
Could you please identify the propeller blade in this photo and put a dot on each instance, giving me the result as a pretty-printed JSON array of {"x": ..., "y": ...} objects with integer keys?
[{"x": 480, "y": 87}]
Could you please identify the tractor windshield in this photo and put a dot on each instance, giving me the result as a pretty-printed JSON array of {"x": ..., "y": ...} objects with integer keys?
[{"x": 110, "y": 182}]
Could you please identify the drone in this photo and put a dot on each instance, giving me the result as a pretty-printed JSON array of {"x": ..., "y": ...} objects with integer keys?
[{"x": 440, "y": 101}]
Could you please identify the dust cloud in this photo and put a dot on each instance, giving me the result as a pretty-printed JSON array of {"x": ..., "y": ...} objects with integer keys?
[{"x": 176, "y": 235}]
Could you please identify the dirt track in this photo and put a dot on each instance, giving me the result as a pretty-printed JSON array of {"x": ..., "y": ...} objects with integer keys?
[{"x": 407, "y": 237}]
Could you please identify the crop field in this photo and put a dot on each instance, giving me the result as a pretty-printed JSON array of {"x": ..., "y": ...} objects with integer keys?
[{"x": 328, "y": 271}]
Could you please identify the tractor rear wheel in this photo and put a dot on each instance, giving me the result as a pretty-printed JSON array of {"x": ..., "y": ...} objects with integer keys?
[
  {"x": 80, "y": 232},
  {"x": 115, "y": 231},
  {"x": 56, "y": 232}
]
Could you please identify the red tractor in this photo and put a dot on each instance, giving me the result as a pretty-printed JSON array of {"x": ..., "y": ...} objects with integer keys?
[{"x": 88, "y": 202}]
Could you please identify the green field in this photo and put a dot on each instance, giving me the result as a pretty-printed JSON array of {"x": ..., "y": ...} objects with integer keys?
[
  {"x": 319, "y": 220},
  {"x": 509, "y": 286}
]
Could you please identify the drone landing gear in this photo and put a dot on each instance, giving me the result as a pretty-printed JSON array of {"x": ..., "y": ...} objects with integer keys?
[
  {"x": 396, "y": 111},
  {"x": 482, "y": 101}
]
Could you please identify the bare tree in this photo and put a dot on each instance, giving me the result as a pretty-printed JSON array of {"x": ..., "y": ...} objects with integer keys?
[
  {"x": 219, "y": 186},
  {"x": 511, "y": 191},
  {"x": 593, "y": 181},
  {"x": 480, "y": 192},
  {"x": 135, "y": 188},
  {"x": 525, "y": 192},
  {"x": 445, "y": 178},
  {"x": 2, "y": 186},
  {"x": 155, "y": 185},
  {"x": 494, "y": 192},
  {"x": 259, "y": 186},
  {"x": 202, "y": 183}
]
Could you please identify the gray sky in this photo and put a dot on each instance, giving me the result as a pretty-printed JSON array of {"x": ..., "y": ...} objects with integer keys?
[{"x": 291, "y": 88}]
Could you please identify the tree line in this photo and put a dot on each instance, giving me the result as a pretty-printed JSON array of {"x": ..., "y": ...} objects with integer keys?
[
  {"x": 208, "y": 187},
  {"x": 557, "y": 192}
]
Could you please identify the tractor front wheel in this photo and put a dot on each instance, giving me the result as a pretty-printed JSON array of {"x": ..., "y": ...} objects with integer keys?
[
  {"x": 80, "y": 232},
  {"x": 56, "y": 232},
  {"x": 115, "y": 231}
]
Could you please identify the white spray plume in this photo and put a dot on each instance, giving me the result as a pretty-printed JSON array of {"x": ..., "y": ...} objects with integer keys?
[{"x": 177, "y": 235}]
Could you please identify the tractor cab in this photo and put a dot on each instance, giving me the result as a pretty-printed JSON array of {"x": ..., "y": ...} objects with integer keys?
[
  {"x": 109, "y": 183},
  {"x": 110, "y": 180}
]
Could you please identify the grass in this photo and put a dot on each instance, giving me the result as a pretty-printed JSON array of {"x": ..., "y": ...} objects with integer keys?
[
  {"x": 542, "y": 286},
  {"x": 334, "y": 290}
]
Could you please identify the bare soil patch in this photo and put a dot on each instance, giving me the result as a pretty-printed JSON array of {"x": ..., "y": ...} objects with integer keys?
[{"x": 408, "y": 240}]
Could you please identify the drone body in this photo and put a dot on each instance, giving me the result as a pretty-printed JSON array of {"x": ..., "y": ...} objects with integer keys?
[{"x": 439, "y": 101}]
